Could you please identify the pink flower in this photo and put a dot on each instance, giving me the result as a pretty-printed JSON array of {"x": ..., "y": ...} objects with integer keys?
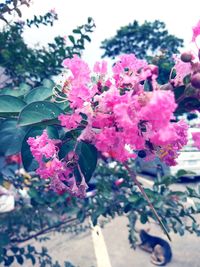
[
  {"x": 79, "y": 69},
  {"x": 158, "y": 111},
  {"x": 196, "y": 31},
  {"x": 182, "y": 70},
  {"x": 50, "y": 169},
  {"x": 196, "y": 138},
  {"x": 100, "y": 68},
  {"x": 70, "y": 121},
  {"x": 42, "y": 146},
  {"x": 169, "y": 152}
]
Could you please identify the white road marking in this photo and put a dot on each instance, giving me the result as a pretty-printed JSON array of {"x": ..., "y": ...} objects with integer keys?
[{"x": 100, "y": 249}]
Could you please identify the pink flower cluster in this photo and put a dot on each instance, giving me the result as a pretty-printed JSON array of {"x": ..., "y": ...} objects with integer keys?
[
  {"x": 61, "y": 177},
  {"x": 122, "y": 118},
  {"x": 196, "y": 138}
]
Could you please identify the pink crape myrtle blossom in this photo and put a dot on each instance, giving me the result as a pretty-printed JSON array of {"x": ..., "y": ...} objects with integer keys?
[
  {"x": 196, "y": 138},
  {"x": 182, "y": 69},
  {"x": 115, "y": 113},
  {"x": 42, "y": 146},
  {"x": 168, "y": 153},
  {"x": 196, "y": 31},
  {"x": 51, "y": 167},
  {"x": 70, "y": 121},
  {"x": 159, "y": 110}
]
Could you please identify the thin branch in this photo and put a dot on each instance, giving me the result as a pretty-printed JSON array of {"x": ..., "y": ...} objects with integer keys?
[
  {"x": 133, "y": 176},
  {"x": 43, "y": 231}
]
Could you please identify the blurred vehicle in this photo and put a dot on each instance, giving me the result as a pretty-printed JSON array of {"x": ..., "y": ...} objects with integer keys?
[{"x": 188, "y": 162}]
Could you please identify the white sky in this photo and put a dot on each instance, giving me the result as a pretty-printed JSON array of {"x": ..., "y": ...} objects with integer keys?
[{"x": 110, "y": 15}]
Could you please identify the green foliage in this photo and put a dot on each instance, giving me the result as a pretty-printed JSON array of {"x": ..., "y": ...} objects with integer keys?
[
  {"x": 150, "y": 41},
  {"x": 11, "y": 136},
  {"x": 10, "y": 6},
  {"x": 39, "y": 112},
  {"x": 33, "y": 65},
  {"x": 143, "y": 40}
]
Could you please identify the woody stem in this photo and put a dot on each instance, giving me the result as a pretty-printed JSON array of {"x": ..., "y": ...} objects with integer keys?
[{"x": 133, "y": 176}]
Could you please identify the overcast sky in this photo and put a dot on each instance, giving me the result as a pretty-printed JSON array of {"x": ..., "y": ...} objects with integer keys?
[{"x": 110, "y": 15}]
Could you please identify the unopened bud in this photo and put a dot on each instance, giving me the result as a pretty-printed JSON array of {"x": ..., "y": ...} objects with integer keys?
[
  {"x": 186, "y": 57},
  {"x": 119, "y": 181},
  {"x": 195, "y": 80}
]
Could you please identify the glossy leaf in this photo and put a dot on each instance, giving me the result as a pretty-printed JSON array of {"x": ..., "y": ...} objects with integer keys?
[
  {"x": 87, "y": 159},
  {"x": 11, "y": 137},
  {"x": 38, "y": 94},
  {"x": 40, "y": 113},
  {"x": 10, "y": 105}
]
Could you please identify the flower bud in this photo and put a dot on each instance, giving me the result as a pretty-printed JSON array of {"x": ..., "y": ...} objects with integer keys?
[
  {"x": 186, "y": 57},
  {"x": 195, "y": 80}
]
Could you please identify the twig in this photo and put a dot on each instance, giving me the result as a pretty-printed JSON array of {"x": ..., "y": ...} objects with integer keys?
[
  {"x": 133, "y": 176},
  {"x": 43, "y": 231}
]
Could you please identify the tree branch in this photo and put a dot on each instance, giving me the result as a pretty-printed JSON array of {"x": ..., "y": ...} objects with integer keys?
[
  {"x": 133, "y": 176},
  {"x": 43, "y": 231}
]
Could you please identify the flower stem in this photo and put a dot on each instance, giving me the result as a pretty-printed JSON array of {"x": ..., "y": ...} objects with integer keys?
[{"x": 133, "y": 176}]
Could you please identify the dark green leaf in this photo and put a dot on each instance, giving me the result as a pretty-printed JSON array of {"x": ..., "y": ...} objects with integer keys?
[
  {"x": 31, "y": 257},
  {"x": 10, "y": 105},
  {"x": 87, "y": 159},
  {"x": 9, "y": 260},
  {"x": 11, "y": 137},
  {"x": 38, "y": 94},
  {"x": 143, "y": 218},
  {"x": 4, "y": 239},
  {"x": 71, "y": 38},
  {"x": 81, "y": 215},
  {"x": 19, "y": 259},
  {"x": 40, "y": 112}
]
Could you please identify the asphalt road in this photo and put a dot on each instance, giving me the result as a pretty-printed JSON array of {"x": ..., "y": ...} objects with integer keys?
[{"x": 109, "y": 247}]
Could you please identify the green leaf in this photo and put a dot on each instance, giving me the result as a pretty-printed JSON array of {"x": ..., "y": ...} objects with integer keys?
[
  {"x": 87, "y": 159},
  {"x": 31, "y": 257},
  {"x": 14, "y": 249},
  {"x": 66, "y": 148},
  {"x": 20, "y": 91},
  {"x": 143, "y": 218},
  {"x": 40, "y": 113},
  {"x": 133, "y": 198},
  {"x": 24, "y": 88},
  {"x": 38, "y": 94},
  {"x": 77, "y": 31},
  {"x": 87, "y": 38},
  {"x": 71, "y": 38},
  {"x": 27, "y": 159},
  {"x": 19, "y": 259},
  {"x": 179, "y": 91},
  {"x": 11, "y": 137},
  {"x": 4, "y": 239},
  {"x": 48, "y": 83},
  {"x": 9, "y": 260},
  {"x": 10, "y": 105},
  {"x": 81, "y": 215}
]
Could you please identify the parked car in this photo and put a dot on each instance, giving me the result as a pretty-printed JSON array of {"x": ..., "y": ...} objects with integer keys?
[{"x": 188, "y": 160}]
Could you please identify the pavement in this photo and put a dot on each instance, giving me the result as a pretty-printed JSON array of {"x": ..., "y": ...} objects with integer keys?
[{"x": 109, "y": 246}]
